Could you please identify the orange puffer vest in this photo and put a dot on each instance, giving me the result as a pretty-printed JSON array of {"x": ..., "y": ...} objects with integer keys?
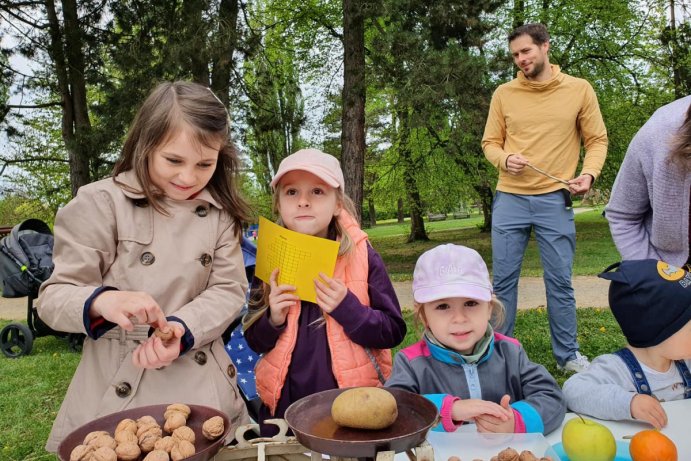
[{"x": 350, "y": 363}]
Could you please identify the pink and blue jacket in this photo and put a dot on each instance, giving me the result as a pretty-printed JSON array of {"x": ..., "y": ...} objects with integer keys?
[{"x": 443, "y": 376}]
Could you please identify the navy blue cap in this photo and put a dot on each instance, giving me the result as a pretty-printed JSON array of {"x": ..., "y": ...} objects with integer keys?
[{"x": 650, "y": 299}]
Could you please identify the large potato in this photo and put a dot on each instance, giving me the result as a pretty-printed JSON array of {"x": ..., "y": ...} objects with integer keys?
[{"x": 365, "y": 408}]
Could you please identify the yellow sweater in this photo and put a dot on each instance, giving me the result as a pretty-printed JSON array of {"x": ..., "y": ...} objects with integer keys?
[{"x": 544, "y": 122}]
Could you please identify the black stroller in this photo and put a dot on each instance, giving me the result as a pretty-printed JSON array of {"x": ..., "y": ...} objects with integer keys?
[{"x": 26, "y": 260}]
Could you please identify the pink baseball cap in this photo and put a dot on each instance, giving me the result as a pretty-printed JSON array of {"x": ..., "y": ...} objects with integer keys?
[
  {"x": 451, "y": 271},
  {"x": 326, "y": 167}
]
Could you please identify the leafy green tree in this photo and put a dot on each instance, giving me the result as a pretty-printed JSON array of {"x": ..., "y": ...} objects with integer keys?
[
  {"x": 429, "y": 55},
  {"x": 274, "y": 108},
  {"x": 40, "y": 166}
]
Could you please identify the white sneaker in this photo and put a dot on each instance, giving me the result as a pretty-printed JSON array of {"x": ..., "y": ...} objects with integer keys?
[{"x": 580, "y": 363}]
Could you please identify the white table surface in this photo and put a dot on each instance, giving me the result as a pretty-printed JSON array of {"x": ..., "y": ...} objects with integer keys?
[{"x": 678, "y": 429}]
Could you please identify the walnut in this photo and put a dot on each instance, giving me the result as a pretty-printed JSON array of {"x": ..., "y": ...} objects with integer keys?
[
  {"x": 508, "y": 454},
  {"x": 146, "y": 420},
  {"x": 157, "y": 455},
  {"x": 179, "y": 407},
  {"x": 128, "y": 451},
  {"x": 182, "y": 449},
  {"x": 454, "y": 458},
  {"x": 104, "y": 454},
  {"x": 184, "y": 433},
  {"x": 527, "y": 455},
  {"x": 126, "y": 425},
  {"x": 92, "y": 435},
  {"x": 165, "y": 334},
  {"x": 147, "y": 427},
  {"x": 103, "y": 440},
  {"x": 126, "y": 436},
  {"x": 148, "y": 437},
  {"x": 81, "y": 453},
  {"x": 174, "y": 420},
  {"x": 166, "y": 444},
  {"x": 213, "y": 428}
]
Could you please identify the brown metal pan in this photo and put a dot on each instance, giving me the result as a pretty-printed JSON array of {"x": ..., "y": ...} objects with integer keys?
[
  {"x": 205, "y": 449},
  {"x": 311, "y": 422}
]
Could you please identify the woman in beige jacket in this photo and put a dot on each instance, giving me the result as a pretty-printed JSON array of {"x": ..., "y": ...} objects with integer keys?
[{"x": 156, "y": 245}]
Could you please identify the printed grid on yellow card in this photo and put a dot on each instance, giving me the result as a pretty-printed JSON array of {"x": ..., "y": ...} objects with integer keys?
[{"x": 299, "y": 257}]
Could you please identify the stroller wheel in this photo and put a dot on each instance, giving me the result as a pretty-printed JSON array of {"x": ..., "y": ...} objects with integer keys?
[{"x": 16, "y": 340}]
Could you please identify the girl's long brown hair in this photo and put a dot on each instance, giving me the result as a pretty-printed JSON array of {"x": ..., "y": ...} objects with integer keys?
[
  {"x": 259, "y": 297},
  {"x": 170, "y": 105},
  {"x": 681, "y": 146}
]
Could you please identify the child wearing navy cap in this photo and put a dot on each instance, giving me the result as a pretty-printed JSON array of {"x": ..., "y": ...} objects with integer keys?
[{"x": 651, "y": 300}]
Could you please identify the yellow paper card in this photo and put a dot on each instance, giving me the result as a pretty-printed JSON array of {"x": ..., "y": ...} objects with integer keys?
[{"x": 300, "y": 257}]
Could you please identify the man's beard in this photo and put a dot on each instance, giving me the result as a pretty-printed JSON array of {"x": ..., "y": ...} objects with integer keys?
[{"x": 537, "y": 69}]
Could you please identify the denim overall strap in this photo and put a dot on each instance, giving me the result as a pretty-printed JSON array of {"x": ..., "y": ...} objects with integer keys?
[
  {"x": 686, "y": 376},
  {"x": 639, "y": 379}
]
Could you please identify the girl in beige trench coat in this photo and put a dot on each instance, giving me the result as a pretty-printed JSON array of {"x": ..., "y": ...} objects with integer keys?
[{"x": 156, "y": 245}]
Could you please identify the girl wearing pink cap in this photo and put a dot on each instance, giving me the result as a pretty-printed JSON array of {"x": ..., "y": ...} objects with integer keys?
[
  {"x": 344, "y": 339},
  {"x": 471, "y": 373}
]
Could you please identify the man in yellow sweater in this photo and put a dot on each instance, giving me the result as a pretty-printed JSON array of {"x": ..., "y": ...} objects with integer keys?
[{"x": 533, "y": 136}]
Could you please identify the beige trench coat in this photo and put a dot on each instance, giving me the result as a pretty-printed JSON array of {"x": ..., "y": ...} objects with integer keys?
[{"x": 190, "y": 262}]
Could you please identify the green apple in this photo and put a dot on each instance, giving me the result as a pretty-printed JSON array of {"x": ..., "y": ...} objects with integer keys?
[{"x": 586, "y": 440}]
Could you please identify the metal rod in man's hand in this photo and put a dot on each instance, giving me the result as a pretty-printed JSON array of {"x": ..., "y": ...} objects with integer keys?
[{"x": 563, "y": 181}]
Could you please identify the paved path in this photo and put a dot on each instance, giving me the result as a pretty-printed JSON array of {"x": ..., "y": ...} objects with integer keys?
[
  {"x": 590, "y": 292},
  {"x": 13, "y": 308}
]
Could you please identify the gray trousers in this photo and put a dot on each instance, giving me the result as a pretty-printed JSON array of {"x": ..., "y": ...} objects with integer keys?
[{"x": 513, "y": 218}]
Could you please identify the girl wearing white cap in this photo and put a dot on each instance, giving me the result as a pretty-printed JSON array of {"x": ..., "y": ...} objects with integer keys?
[
  {"x": 344, "y": 339},
  {"x": 470, "y": 372}
]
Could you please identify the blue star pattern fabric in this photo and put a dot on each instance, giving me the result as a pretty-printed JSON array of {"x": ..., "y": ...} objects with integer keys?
[{"x": 244, "y": 359}]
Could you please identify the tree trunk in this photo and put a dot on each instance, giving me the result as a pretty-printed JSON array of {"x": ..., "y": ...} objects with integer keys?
[
  {"x": 417, "y": 225},
  {"x": 518, "y": 13},
  {"x": 486, "y": 199},
  {"x": 354, "y": 94},
  {"x": 67, "y": 55},
  {"x": 226, "y": 42},
  {"x": 372, "y": 213},
  {"x": 194, "y": 40},
  {"x": 544, "y": 14},
  {"x": 674, "y": 42}
]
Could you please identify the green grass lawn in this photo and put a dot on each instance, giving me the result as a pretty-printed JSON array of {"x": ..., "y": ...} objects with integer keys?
[
  {"x": 32, "y": 387},
  {"x": 31, "y": 390},
  {"x": 391, "y": 227},
  {"x": 595, "y": 249}
]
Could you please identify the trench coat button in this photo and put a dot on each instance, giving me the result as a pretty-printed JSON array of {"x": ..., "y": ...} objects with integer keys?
[
  {"x": 147, "y": 258},
  {"x": 123, "y": 389},
  {"x": 201, "y": 211},
  {"x": 200, "y": 357},
  {"x": 141, "y": 203},
  {"x": 205, "y": 259},
  {"x": 231, "y": 371}
]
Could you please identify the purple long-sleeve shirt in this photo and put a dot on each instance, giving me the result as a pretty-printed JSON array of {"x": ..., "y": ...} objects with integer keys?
[{"x": 381, "y": 327}]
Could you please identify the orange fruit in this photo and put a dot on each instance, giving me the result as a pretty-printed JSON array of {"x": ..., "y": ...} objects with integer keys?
[{"x": 652, "y": 445}]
